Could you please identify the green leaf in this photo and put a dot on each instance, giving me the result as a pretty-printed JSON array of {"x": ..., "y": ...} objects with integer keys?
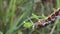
[
  {"x": 35, "y": 16},
  {"x": 27, "y": 25}
]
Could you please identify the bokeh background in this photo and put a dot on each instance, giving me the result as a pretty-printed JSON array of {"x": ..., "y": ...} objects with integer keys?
[{"x": 20, "y": 16}]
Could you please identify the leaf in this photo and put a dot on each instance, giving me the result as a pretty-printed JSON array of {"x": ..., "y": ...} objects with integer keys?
[
  {"x": 27, "y": 25},
  {"x": 35, "y": 16}
]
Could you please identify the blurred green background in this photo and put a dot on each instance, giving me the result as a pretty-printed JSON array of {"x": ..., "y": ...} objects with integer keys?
[{"x": 20, "y": 16}]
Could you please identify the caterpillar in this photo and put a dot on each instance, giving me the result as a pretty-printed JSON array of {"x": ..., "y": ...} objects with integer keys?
[{"x": 49, "y": 19}]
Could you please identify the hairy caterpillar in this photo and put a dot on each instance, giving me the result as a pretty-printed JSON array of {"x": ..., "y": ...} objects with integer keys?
[{"x": 49, "y": 19}]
